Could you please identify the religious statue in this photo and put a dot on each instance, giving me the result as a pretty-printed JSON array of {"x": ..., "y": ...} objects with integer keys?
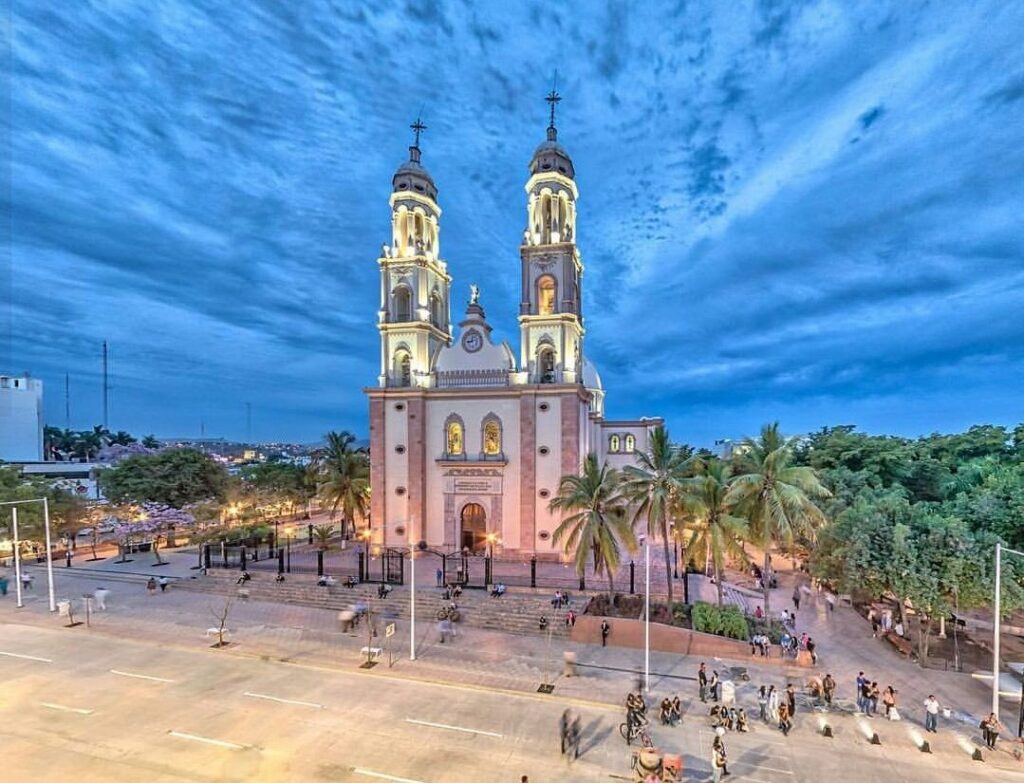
[
  {"x": 455, "y": 438},
  {"x": 474, "y": 294},
  {"x": 385, "y": 250},
  {"x": 526, "y": 236}
]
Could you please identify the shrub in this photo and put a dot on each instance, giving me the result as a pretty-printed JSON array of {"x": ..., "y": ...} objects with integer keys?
[
  {"x": 772, "y": 628},
  {"x": 706, "y": 618},
  {"x": 733, "y": 623}
]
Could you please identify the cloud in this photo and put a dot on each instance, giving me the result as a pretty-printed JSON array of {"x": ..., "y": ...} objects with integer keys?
[{"x": 798, "y": 210}]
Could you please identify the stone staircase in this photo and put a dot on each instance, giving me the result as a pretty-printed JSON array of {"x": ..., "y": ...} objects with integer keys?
[{"x": 516, "y": 612}]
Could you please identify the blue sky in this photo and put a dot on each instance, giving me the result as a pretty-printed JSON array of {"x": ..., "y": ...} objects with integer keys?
[{"x": 811, "y": 212}]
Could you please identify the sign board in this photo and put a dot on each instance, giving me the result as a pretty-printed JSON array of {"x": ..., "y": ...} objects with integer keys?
[{"x": 389, "y": 630}]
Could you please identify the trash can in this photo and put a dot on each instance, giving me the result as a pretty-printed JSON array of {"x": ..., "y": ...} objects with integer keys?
[
  {"x": 569, "y": 658},
  {"x": 728, "y": 693}
]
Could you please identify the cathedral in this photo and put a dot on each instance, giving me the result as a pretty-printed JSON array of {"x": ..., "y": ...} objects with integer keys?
[{"x": 469, "y": 438}]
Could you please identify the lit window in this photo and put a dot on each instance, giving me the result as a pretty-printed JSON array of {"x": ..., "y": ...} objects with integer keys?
[
  {"x": 492, "y": 438},
  {"x": 547, "y": 292},
  {"x": 630, "y": 443},
  {"x": 454, "y": 440},
  {"x": 614, "y": 444}
]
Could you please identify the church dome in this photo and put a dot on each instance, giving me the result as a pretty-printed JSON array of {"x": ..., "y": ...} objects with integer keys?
[
  {"x": 591, "y": 378},
  {"x": 411, "y": 176},
  {"x": 551, "y": 156}
]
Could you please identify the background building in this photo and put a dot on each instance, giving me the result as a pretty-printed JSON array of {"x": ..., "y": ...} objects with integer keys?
[
  {"x": 21, "y": 418},
  {"x": 469, "y": 439}
]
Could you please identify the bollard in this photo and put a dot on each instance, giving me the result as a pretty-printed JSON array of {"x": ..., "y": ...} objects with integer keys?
[
  {"x": 533, "y": 571},
  {"x": 319, "y": 562},
  {"x": 632, "y": 577}
]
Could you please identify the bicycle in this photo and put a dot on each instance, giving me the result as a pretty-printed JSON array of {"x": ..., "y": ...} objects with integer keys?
[{"x": 638, "y": 731}]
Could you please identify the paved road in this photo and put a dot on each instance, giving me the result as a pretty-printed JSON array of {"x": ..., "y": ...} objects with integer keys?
[{"x": 93, "y": 708}]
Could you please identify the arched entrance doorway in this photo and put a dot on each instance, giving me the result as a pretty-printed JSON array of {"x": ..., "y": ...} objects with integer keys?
[{"x": 474, "y": 527}]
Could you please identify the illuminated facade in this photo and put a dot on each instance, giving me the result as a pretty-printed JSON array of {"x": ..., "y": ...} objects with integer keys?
[{"x": 468, "y": 442}]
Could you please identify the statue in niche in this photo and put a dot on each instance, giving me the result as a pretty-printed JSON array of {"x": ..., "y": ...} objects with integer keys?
[
  {"x": 526, "y": 236},
  {"x": 474, "y": 294},
  {"x": 385, "y": 250},
  {"x": 455, "y": 438}
]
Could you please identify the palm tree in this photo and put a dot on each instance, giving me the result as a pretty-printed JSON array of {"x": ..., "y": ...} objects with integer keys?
[
  {"x": 774, "y": 495},
  {"x": 716, "y": 530},
  {"x": 653, "y": 486},
  {"x": 121, "y": 438},
  {"x": 594, "y": 523},
  {"x": 343, "y": 474}
]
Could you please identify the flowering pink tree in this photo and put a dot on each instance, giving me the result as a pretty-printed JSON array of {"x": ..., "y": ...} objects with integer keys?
[{"x": 149, "y": 519}]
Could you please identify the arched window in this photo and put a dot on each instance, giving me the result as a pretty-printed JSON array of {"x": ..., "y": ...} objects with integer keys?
[
  {"x": 490, "y": 436},
  {"x": 403, "y": 368},
  {"x": 630, "y": 443},
  {"x": 436, "y": 310},
  {"x": 402, "y": 298},
  {"x": 614, "y": 444},
  {"x": 547, "y": 294},
  {"x": 454, "y": 437},
  {"x": 546, "y": 365}
]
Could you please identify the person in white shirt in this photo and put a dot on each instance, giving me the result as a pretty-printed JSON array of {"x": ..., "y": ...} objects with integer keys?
[
  {"x": 100, "y": 595},
  {"x": 931, "y": 714}
]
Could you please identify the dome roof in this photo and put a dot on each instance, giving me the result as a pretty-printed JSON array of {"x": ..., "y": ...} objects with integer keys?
[
  {"x": 551, "y": 156},
  {"x": 411, "y": 176},
  {"x": 591, "y": 378}
]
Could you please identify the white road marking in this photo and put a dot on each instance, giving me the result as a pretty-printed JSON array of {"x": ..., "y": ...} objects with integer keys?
[
  {"x": 62, "y": 708},
  {"x": 207, "y": 740},
  {"x": 283, "y": 701},
  {"x": 139, "y": 676},
  {"x": 766, "y": 769},
  {"x": 452, "y": 728},
  {"x": 381, "y": 776},
  {"x": 26, "y": 657}
]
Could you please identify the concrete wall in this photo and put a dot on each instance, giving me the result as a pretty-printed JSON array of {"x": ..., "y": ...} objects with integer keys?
[
  {"x": 21, "y": 419},
  {"x": 666, "y": 638}
]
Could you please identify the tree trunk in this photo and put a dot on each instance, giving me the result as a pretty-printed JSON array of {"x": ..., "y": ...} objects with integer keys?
[
  {"x": 668, "y": 559},
  {"x": 718, "y": 583},
  {"x": 924, "y": 634},
  {"x": 766, "y": 581}
]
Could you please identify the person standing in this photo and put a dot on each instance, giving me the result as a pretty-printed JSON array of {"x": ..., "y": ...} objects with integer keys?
[
  {"x": 796, "y": 597},
  {"x": 812, "y": 649},
  {"x": 931, "y": 713},
  {"x": 785, "y": 724},
  {"x": 791, "y": 699},
  {"x": 990, "y": 730},
  {"x": 702, "y": 682},
  {"x": 873, "y": 695},
  {"x": 100, "y": 596},
  {"x": 713, "y": 685},
  {"x": 861, "y": 682},
  {"x": 773, "y": 703},
  {"x": 151, "y": 586},
  {"x": 889, "y": 701},
  {"x": 3, "y": 584},
  {"x": 164, "y": 581},
  {"x": 762, "y": 702},
  {"x": 605, "y": 630},
  {"x": 26, "y": 580},
  {"x": 828, "y": 687}
]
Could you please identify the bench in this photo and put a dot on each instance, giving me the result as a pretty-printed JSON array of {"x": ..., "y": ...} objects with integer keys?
[
  {"x": 901, "y": 644},
  {"x": 372, "y": 652}
]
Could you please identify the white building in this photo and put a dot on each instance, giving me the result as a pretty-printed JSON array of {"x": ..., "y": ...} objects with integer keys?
[
  {"x": 21, "y": 419},
  {"x": 468, "y": 437}
]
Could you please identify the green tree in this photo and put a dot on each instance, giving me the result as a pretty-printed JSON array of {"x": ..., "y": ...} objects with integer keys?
[
  {"x": 343, "y": 476},
  {"x": 653, "y": 486},
  {"x": 594, "y": 521},
  {"x": 716, "y": 530},
  {"x": 776, "y": 496},
  {"x": 175, "y": 478}
]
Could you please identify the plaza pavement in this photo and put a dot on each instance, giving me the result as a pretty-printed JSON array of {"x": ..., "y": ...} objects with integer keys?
[{"x": 481, "y": 667}]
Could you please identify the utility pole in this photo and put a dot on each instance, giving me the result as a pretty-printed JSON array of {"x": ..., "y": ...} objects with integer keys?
[{"x": 105, "y": 386}]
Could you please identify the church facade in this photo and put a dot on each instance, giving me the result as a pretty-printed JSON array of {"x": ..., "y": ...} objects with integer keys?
[{"x": 469, "y": 439}]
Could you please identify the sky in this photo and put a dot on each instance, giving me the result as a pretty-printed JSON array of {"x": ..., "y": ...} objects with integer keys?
[{"x": 810, "y": 212}]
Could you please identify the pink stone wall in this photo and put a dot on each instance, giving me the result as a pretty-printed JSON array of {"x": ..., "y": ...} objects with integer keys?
[
  {"x": 378, "y": 485},
  {"x": 570, "y": 405},
  {"x": 527, "y": 472},
  {"x": 417, "y": 469}
]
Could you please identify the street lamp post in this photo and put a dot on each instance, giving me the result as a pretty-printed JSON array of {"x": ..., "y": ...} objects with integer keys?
[
  {"x": 412, "y": 602},
  {"x": 996, "y": 625},
  {"x": 647, "y": 613},
  {"x": 17, "y": 555}
]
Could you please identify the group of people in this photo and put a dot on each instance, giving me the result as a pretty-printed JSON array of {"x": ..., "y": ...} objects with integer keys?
[
  {"x": 152, "y": 583},
  {"x": 26, "y": 582},
  {"x": 729, "y": 718},
  {"x": 560, "y": 599},
  {"x": 708, "y": 686},
  {"x": 777, "y": 707},
  {"x": 671, "y": 711}
]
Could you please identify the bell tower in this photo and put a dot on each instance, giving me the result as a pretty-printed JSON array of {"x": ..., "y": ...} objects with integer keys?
[
  {"x": 550, "y": 309},
  {"x": 414, "y": 317}
]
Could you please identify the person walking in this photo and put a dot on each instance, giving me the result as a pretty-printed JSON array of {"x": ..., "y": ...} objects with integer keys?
[
  {"x": 791, "y": 699},
  {"x": 785, "y": 723},
  {"x": 717, "y": 759},
  {"x": 164, "y": 581},
  {"x": 990, "y": 730},
  {"x": 796, "y": 597},
  {"x": 702, "y": 682},
  {"x": 873, "y": 695},
  {"x": 26, "y": 581},
  {"x": 563, "y": 729},
  {"x": 762, "y": 702},
  {"x": 931, "y": 713},
  {"x": 605, "y": 630},
  {"x": 3, "y": 584},
  {"x": 828, "y": 687},
  {"x": 570, "y": 619},
  {"x": 100, "y": 596},
  {"x": 812, "y": 649},
  {"x": 714, "y": 685},
  {"x": 151, "y": 586}
]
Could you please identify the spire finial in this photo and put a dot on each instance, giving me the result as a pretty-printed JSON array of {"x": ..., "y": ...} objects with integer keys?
[
  {"x": 553, "y": 98},
  {"x": 417, "y": 128}
]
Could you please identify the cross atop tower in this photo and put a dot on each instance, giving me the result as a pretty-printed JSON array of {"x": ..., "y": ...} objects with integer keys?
[
  {"x": 418, "y": 127},
  {"x": 553, "y": 98}
]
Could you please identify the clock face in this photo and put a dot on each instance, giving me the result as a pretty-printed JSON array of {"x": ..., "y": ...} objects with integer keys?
[{"x": 472, "y": 341}]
